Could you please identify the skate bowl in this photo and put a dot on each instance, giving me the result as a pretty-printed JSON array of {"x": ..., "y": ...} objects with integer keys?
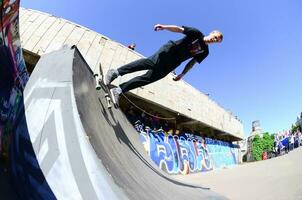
[{"x": 82, "y": 149}]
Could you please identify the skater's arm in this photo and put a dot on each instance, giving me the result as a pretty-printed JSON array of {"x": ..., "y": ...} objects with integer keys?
[
  {"x": 172, "y": 28},
  {"x": 189, "y": 66}
]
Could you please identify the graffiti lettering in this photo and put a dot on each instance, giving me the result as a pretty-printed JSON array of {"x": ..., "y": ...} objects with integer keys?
[{"x": 184, "y": 155}]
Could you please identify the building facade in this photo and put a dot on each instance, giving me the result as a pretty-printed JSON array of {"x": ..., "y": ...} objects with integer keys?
[
  {"x": 42, "y": 33},
  {"x": 256, "y": 130}
]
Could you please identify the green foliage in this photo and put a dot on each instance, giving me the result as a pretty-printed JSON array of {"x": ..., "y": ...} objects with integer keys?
[
  {"x": 295, "y": 128},
  {"x": 257, "y": 148},
  {"x": 260, "y": 145},
  {"x": 268, "y": 142}
]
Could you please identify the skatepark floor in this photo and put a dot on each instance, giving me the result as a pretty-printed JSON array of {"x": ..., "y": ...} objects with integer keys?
[{"x": 278, "y": 178}]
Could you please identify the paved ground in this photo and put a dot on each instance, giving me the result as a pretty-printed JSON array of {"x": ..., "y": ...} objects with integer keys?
[{"x": 279, "y": 178}]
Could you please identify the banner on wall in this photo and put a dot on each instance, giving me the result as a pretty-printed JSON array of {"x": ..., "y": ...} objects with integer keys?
[{"x": 13, "y": 73}]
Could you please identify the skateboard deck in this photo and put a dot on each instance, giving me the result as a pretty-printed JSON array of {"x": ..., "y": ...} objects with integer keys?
[{"x": 99, "y": 78}]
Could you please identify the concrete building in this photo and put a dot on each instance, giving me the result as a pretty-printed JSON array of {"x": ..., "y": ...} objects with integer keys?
[
  {"x": 256, "y": 130},
  {"x": 299, "y": 121},
  {"x": 243, "y": 150},
  {"x": 42, "y": 33}
]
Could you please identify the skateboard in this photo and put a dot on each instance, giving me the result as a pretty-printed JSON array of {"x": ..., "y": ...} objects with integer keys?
[{"x": 99, "y": 80}]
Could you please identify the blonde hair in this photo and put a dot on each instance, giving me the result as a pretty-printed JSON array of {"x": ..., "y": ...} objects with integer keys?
[{"x": 219, "y": 34}]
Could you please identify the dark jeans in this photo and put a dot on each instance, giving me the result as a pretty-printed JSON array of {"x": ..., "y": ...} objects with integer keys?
[
  {"x": 158, "y": 66},
  {"x": 154, "y": 73}
]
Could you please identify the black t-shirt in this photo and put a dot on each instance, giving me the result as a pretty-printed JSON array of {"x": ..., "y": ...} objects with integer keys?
[{"x": 192, "y": 45}]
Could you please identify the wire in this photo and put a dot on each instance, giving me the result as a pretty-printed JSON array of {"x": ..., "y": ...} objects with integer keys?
[{"x": 163, "y": 118}]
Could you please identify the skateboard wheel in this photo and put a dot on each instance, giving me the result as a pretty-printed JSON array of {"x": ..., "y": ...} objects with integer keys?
[
  {"x": 108, "y": 100},
  {"x": 97, "y": 86},
  {"x": 97, "y": 82}
]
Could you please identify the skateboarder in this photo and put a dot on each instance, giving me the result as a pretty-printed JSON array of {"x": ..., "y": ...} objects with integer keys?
[{"x": 194, "y": 45}]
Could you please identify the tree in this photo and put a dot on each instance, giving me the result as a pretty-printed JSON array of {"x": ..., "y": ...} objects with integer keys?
[
  {"x": 295, "y": 128},
  {"x": 260, "y": 145},
  {"x": 268, "y": 142},
  {"x": 257, "y": 148}
]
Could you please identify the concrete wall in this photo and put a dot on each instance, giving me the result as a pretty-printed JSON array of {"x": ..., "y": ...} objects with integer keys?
[
  {"x": 42, "y": 33},
  {"x": 299, "y": 122}
]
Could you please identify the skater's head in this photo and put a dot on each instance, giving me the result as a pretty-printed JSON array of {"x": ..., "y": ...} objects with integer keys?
[{"x": 214, "y": 37}]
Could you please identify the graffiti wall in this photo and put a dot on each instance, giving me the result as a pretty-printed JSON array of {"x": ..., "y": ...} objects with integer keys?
[
  {"x": 13, "y": 73},
  {"x": 188, "y": 154}
]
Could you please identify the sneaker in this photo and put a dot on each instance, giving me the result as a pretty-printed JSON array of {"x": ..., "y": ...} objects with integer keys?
[
  {"x": 115, "y": 95},
  {"x": 110, "y": 76}
]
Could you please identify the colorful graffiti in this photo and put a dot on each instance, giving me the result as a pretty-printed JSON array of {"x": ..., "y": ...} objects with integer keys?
[
  {"x": 13, "y": 73},
  {"x": 188, "y": 153}
]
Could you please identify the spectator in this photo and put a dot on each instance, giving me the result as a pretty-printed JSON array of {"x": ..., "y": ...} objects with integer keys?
[
  {"x": 299, "y": 137},
  {"x": 292, "y": 142},
  {"x": 165, "y": 126},
  {"x": 131, "y": 115},
  {"x": 277, "y": 141},
  {"x": 280, "y": 147},
  {"x": 156, "y": 121},
  {"x": 295, "y": 140},
  {"x": 177, "y": 132},
  {"x": 170, "y": 132},
  {"x": 132, "y": 46},
  {"x": 143, "y": 118}
]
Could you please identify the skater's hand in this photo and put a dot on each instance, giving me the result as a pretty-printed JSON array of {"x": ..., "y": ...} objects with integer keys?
[
  {"x": 177, "y": 78},
  {"x": 158, "y": 27}
]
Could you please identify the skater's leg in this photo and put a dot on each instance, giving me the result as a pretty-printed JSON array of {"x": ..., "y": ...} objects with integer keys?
[
  {"x": 138, "y": 65},
  {"x": 145, "y": 79}
]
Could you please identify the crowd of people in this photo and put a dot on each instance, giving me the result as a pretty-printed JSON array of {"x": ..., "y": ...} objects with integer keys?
[
  {"x": 155, "y": 122},
  {"x": 151, "y": 120},
  {"x": 286, "y": 141}
]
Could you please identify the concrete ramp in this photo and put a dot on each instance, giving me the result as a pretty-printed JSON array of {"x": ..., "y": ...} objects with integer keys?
[{"x": 84, "y": 150}]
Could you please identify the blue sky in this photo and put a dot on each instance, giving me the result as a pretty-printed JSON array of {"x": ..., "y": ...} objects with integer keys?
[{"x": 256, "y": 72}]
